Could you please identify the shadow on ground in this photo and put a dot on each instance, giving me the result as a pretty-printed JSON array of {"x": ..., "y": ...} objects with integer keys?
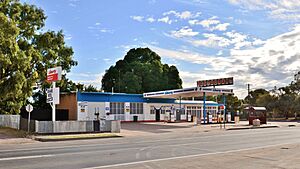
[{"x": 152, "y": 128}]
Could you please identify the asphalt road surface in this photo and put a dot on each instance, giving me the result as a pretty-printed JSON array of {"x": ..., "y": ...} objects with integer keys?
[{"x": 160, "y": 151}]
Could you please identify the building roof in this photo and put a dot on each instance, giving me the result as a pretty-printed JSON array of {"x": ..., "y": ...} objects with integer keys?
[{"x": 256, "y": 108}]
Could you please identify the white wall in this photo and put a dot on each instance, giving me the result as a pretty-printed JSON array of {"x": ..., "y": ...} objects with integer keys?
[{"x": 89, "y": 111}]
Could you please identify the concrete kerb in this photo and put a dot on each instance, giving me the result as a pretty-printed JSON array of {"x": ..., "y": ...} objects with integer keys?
[
  {"x": 252, "y": 127},
  {"x": 75, "y": 137}
]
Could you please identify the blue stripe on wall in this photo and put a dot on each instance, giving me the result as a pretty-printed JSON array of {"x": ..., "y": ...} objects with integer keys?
[
  {"x": 121, "y": 97},
  {"x": 118, "y": 97}
]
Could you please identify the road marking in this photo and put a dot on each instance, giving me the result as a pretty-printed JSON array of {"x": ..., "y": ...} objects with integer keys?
[
  {"x": 134, "y": 148},
  {"x": 161, "y": 140},
  {"x": 182, "y": 157},
  {"x": 24, "y": 157}
]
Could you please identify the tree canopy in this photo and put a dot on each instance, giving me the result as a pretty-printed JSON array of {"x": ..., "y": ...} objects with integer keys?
[
  {"x": 141, "y": 71},
  {"x": 26, "y": 52},
  {"x": 280, "y": 102}
]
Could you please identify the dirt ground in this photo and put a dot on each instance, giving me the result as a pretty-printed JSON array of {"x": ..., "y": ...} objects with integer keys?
[{"x": 13, "y": 136}]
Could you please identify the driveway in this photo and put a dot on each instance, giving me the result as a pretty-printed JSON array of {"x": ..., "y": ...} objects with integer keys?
[{"x": 158, "y": 128}]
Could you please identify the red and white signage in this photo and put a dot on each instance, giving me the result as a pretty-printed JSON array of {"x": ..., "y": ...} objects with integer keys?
[
  {"x": 215, "y": 82},
  {"x": 54, "y": 74}
]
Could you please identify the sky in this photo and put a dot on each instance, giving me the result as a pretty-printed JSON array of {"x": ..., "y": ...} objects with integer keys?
[{"x": 255, "y": 41}]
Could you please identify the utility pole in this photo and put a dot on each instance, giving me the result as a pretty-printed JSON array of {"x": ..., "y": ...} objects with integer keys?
[{"x": 248, "y": 86}]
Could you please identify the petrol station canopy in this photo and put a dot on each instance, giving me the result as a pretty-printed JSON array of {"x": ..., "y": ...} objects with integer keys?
[{"x": 188, "y": 92}]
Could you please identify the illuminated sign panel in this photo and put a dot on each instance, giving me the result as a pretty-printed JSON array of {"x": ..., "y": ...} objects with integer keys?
[{"x": 215, "y": 82}]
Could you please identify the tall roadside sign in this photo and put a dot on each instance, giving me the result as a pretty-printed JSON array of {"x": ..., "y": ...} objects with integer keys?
[
  {"x": 53, "y": 75},
  {"x": 215, "y": 82}
]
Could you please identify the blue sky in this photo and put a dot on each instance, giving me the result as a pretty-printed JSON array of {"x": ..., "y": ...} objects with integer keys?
[{"x": 257, "y": 42}]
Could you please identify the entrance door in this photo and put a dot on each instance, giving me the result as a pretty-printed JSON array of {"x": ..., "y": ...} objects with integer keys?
[{"x": 157, "y": 115}]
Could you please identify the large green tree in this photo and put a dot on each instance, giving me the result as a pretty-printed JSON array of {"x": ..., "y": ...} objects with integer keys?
[
  {"x": 254, "y": 95},
  {"x": 141, "y": 71},
  {"x": 26, "y": 52}
]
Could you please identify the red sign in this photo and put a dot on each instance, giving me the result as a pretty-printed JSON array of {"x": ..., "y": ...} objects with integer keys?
[
  {"x": 215, "y": 82},
  {"x": 53, "y": 77},
  {"x": 54, "y": 74}
]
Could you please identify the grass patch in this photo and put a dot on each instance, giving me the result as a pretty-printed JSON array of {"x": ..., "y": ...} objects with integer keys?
[{"x": 10, "y": 132}]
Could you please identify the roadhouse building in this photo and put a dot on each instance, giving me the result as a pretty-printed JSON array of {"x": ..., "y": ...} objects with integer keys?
[{"x": 148, "y": 107}]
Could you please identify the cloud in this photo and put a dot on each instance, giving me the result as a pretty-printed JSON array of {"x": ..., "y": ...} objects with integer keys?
[
  {"x": 220, "y": 27},
  {"x": 212, "y": 40},
  {"x": 280, "y": 9},
  {"x": 72, "y": 5},
  {"x": 220, "y": 52},
  {"x": 68, "y": 37},
  {"x": 210, "y": 24},
  {"x": 87, "y": 78},
  {"x": 137, "y": 18},
  {"x": 182, "y": 15},
  {"x": 273, "y": 63},
  {"x": 165, "y": 19},
  {"x": 189, "y": 56},
  {"x": 104, "y": 30},
  {"x": 230, "y": 39},
  {"x": 150, "y": 19},
  {"x": 184, "y": 32}
]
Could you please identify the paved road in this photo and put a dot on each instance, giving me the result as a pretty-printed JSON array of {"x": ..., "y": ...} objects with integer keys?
[{"x": 137, "y": 151}]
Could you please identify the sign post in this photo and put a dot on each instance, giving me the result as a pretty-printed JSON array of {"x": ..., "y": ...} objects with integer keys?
[
  {"x": 29, "y": 109},
  {"x": 53, "y": 75}
]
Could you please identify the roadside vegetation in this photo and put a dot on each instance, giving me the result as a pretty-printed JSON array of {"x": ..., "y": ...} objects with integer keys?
[
  {"x": 283, "y": 102},
  {"x": 10, "y": 132}
]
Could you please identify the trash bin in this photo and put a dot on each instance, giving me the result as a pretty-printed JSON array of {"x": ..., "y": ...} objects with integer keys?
[
  {"x": 256, "y": 122},
  {"x": 135, "y": 118}
]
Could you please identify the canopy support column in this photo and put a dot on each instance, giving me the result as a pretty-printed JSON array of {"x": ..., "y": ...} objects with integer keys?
[
  {"x": 224, "y": 102},
  {"x": 204, "y": 107}
]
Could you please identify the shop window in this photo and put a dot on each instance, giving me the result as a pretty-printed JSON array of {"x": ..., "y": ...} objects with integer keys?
[
  {"x": 116, "y": 108},
  {"x": 136, "y": 108},
  {"x": 162, "y": 110},
  {"x": 152, "y": 110}
]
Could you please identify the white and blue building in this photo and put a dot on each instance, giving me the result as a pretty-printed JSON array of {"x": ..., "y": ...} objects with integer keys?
[{"x": 147, "y": 107}]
